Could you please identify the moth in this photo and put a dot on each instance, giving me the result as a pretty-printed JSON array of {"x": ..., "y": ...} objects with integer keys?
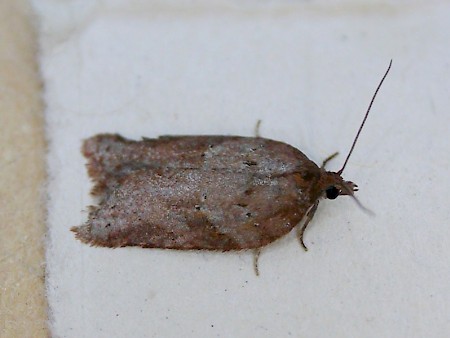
[{"x": 204, "y": 192}]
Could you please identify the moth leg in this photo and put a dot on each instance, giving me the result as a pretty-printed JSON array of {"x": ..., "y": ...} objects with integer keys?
[
  {"x": 328, "y": 159},
  {"x": 258, "y": 124},
  {"x": 309, "y": 217},
  {"x": 256, "y": 254}
]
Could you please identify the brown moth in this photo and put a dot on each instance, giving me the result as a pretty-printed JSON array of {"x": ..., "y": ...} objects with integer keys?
[{"x": 204, "y": 192}]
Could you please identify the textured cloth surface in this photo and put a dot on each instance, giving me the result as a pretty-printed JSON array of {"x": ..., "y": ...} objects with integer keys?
[{"x": 308, "y": 71}]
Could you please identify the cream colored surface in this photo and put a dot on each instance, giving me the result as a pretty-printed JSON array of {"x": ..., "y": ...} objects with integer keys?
[
  {"x": 23, "y": 309},
  {"x": 140, "y": 69}
]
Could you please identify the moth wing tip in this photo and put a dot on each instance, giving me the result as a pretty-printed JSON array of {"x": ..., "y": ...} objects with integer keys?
[{"x": 83, "y": 233}]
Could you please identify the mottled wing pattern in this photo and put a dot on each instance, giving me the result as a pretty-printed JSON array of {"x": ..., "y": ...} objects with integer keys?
[{"x": 194, "y": 192}]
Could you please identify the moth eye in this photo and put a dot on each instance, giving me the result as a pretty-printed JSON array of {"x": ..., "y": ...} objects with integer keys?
[{"x": 332, "y": 192}]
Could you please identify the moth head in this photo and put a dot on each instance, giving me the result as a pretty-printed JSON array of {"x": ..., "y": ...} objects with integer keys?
[{"x": 333, "y": 185}]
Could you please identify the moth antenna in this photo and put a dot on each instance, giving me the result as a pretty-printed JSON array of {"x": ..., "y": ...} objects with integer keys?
[
  {"x": 366, "y": 210},
  {"x": 365, "y": 118},
  {"x": 349, "y": 192}
]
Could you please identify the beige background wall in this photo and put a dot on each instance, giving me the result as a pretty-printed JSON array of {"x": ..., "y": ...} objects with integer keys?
[{"x": 22, "y": 172}]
